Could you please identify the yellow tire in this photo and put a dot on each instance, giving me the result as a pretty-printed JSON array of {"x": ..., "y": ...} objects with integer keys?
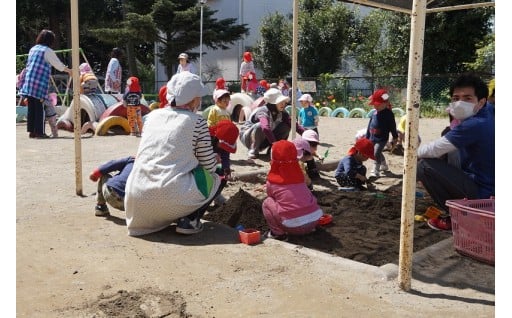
[
  {"x": 116, "y": 125},
  {"x": 154, "y": 105}
]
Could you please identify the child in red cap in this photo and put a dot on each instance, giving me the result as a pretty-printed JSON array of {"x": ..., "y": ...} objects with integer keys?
[
  {"x": 382, "y": 123},
  {"x": 351, "y": 172},
  {"x": 289, "y": 208},
  {"x": 224, "y": 137},
  {"x": 131, "y": 99},
  {"x": 246, "y": 67}
]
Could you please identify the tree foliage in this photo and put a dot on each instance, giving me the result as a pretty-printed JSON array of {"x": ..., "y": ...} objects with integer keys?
[
  {"x": 326, "y": 33},
  {"x": 273, "y": 52}
]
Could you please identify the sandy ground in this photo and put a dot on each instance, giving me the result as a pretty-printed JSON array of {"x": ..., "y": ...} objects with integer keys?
[{"x": 70, "y": 263}]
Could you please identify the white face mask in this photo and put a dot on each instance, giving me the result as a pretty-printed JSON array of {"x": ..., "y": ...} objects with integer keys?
[{"x": 461, "y": 110}]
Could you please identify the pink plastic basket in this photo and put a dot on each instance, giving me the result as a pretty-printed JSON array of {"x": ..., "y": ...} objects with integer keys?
[{"x": 473, "y": 228}]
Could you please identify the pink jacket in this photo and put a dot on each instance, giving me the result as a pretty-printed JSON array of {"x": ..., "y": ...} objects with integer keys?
[{"x": 296, "y": 205}]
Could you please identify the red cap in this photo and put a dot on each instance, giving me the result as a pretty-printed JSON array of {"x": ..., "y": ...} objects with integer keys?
[
  {"x": 162, "y": 95},
  {"x": 220, "y": 83},
  {"x": 365, "y": 147},
  {"x": 379, "y": 97},
  {"x": 247, "y": 56},
  {"x": 227, "y": 133},
  {"x": 284, "y": 166},
  {"x": 133, "y": 84}
]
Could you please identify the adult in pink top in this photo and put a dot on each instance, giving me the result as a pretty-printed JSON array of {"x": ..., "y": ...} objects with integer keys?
[{"x": 290, "y": 208}]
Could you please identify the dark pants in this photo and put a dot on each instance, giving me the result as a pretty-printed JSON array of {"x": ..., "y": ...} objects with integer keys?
[
  {"x": 444, "y": 181},
  {"x": 35, "y": 116},
  {"x": 202, "y": 210}
]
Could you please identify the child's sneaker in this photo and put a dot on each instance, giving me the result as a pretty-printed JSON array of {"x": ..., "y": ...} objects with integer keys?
[
  {"x": 253, "y": 154},
  {"x": 384, "y": 167},
  {"x": 101, "y": 210},
  {"x": 282, "y": 237},
  {"x": 441, "y": 224},
  {"x": 186, "y": 226}
]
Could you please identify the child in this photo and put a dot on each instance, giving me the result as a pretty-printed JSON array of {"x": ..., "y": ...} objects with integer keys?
[
  {"x": 303, "y": 155},
  {"x": 219, "y": 112},
  {"x": 50, "y": 113},
  {"x": 312, "y": 138},
  {"x": 382, "y": 123},
  {"x": 224, "y": 137},
  {"x": 131, "y": 99},
  {"x": 88, "y": 81},
  {"x": 111, "y": 186},
  {"x": 289, "y": 208},
  {"x": 246, "y": 67},
  {"x": 251, "y": 83},
  {"x": 351, "y": 172},
  {"x": 308, "y": 115},
  {"x": 262, "y": 88}
]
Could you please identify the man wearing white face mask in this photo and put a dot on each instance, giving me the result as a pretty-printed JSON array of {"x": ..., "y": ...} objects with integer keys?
[{"x": 473, "y": 139}]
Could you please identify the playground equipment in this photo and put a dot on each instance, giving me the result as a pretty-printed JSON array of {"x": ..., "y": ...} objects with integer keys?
[{"x": 106, "y": 110}]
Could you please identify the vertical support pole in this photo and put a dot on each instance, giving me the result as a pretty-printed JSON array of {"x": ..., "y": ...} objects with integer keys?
[
  {"x": 295, "y": 45},
  {"x": 411, "y": 143}
]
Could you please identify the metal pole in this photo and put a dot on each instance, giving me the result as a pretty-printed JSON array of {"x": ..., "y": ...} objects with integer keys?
[
  {"x": 202, "y": 2},
  {"x": 75, "y": 55},
  {"x": 411, "y": 143},
  {"x": 295, "y": 49}
]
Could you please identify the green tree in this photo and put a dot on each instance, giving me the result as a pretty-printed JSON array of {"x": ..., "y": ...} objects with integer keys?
[
  {"x": 326, "y": 32},
  {"x": 485, "y": 59},
  {"x": 178, "y": 25},
  {"x": 273, "y": 52}
]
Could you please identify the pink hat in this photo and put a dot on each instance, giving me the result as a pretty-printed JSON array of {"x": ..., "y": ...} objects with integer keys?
[
  {"x": 310, "y": 135},
  {"x": 306, "y": 97},
  {"x": 84, "y": 68},
  {"x": 301, "y": 145}
]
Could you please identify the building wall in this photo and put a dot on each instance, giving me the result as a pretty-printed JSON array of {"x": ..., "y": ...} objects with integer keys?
[{"x": 250, "y": 12}]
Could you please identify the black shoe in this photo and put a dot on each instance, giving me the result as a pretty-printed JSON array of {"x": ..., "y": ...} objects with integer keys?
[
  {"x": 186, "y": 226},
  {"x": 101, "y": 210},
  {"x": 43, "y": 136}
]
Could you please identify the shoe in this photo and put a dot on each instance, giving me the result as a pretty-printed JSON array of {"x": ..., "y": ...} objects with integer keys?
[
  {"x": 282, "y": 237},
  {"x": 441, "y": 224},
  {"x": 384, "y": 167},
  {"x": 186, "y": 226},
  {"x": 101, "y": 210},
  {"x": 43, "y": 136},
  {"x": 375, "y": 173},
  {"x": 219, "y": 200},
  {"x": 253, "y": 154}
]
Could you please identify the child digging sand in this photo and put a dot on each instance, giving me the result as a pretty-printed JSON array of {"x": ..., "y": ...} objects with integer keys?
[
  {"x": 351, "y": 172},
  {"x": 289, "y": 208}
]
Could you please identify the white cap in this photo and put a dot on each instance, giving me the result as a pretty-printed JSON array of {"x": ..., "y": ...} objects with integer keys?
[
  {"x": 310, "y": 135},
  {"x": 183, "y": 56},
  {"x": 184, "y": 87},
  {"x": 274, "y": 96},
  {"x": 219, "y": 92},
  {"x": 306, "y": 97}
]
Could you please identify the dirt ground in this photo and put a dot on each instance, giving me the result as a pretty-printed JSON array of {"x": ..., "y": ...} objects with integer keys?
[{"x": 70, "y": 263}]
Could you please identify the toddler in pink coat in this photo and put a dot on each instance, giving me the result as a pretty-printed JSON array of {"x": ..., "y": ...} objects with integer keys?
[{"x": 289, "y": 208}]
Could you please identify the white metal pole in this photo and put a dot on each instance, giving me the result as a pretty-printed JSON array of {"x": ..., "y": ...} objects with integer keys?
[
  {"x": 295, "y": 46},
  {"x": 411, "y": 143},
  {"x": 201, "y": 40},
  {"x": 75, "y": 58}
]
